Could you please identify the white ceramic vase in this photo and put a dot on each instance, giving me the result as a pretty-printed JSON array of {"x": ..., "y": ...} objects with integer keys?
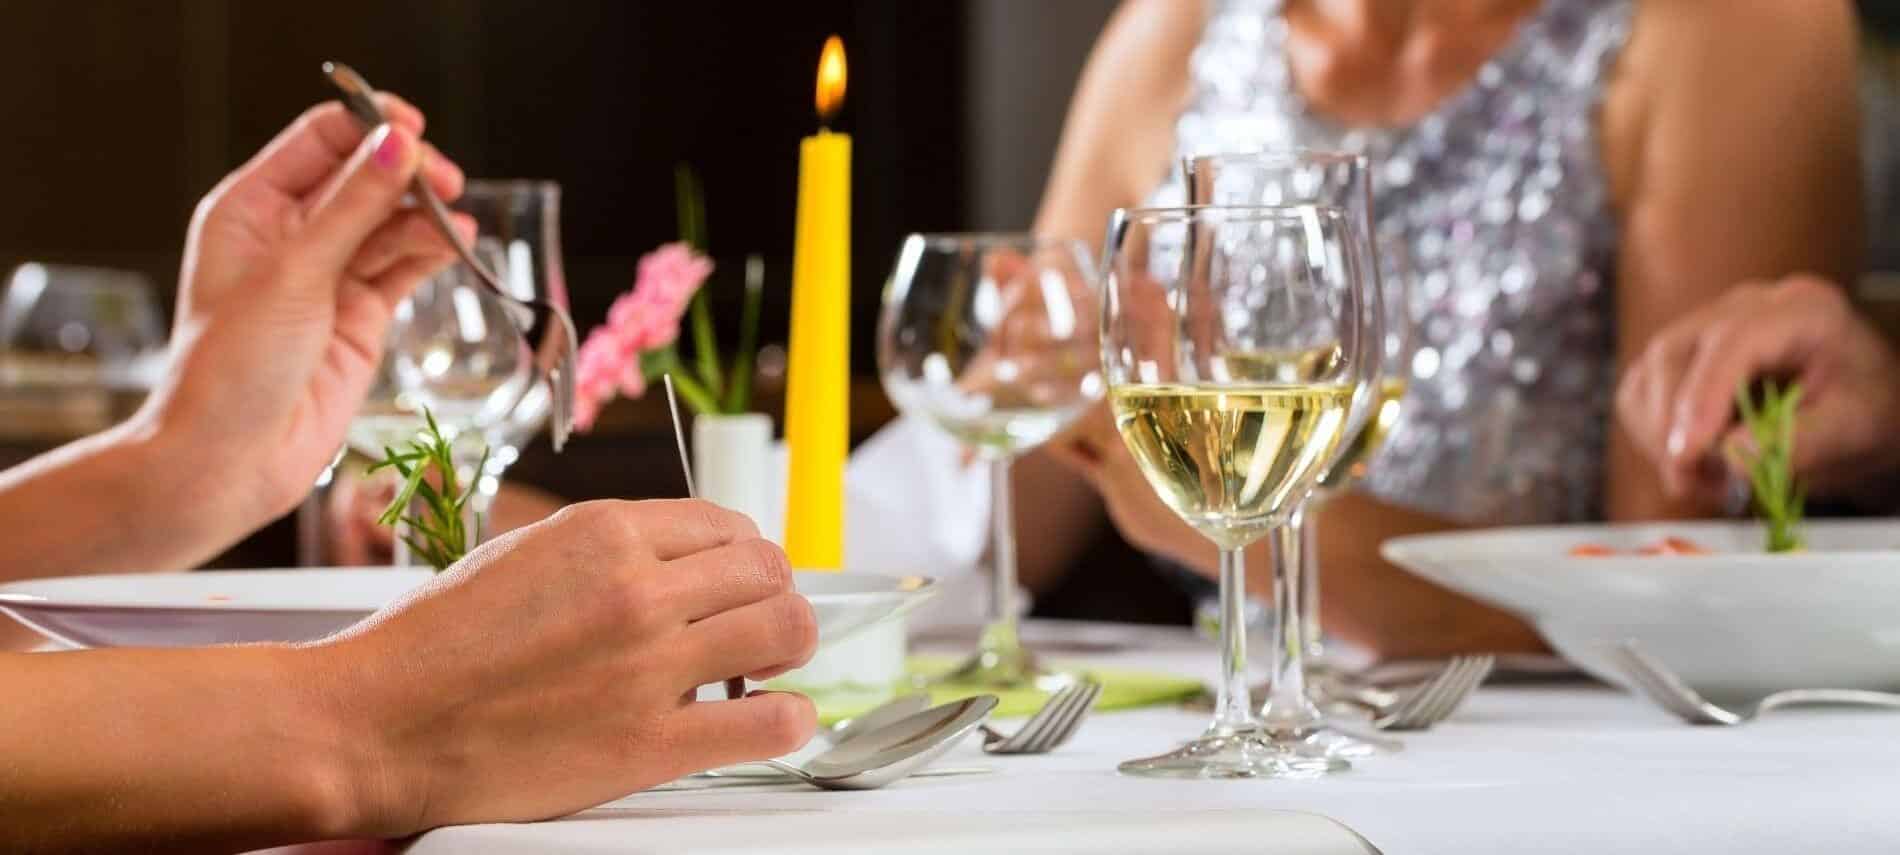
[{"x": 732, "y": 462}]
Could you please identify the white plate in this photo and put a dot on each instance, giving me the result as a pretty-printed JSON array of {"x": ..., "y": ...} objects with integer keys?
[
  {"x": 235, "y": 606},
  {"x": 1735, "y": 624}
]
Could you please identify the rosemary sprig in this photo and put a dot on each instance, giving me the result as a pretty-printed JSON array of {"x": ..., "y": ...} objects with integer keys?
[
  {"x": 438, "y": 533},
  {"x": 1770, "y": 424}
]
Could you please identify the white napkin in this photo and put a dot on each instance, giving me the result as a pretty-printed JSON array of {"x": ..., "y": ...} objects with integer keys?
[{"x": 912, "y": 506}]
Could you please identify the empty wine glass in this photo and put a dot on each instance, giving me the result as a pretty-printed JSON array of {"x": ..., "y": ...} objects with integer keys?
[
  {"x": 454, "y": 348},
  {"x": 1232, "y": 344},
  {"x": 993, "y": 339},
  {"x": 62, "y": 324}
]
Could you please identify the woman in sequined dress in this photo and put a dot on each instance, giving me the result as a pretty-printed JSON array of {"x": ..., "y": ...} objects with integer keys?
[{"x": 1559, "y": 178}]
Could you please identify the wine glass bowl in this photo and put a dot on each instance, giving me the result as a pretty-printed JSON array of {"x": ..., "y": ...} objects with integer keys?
[
  {"x": 992, "y": 338},
  {"x": 453, "y": 348},
  {"x": 1232, "y": 345}
]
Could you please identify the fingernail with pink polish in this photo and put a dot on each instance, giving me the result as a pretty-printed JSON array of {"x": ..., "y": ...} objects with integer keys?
[
  {"x": 1678, "y": 440},
  {"x": 389, "y": 150}
]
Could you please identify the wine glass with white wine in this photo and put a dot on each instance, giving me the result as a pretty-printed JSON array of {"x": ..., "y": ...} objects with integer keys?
[
  {"x": 992, "y": 338},
  {"x": 1232, "y": 343},
  {"x": 1344, "y": 181}
]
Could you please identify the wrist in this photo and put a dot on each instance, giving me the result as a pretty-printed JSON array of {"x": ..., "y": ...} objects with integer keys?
[
  {"x": 343, "y": 785},
  {"x": 187, "y": 479},
  {"x": 373, "y": 785}
]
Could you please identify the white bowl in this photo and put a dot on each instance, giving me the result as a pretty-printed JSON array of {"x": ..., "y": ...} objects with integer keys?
[
  {"x": 1737, "y": 623},
  {"x": 238, "y": 606}
]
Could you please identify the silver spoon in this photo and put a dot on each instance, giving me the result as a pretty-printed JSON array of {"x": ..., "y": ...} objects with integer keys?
[
  {"x": 896, "y": 709},
  {"x": 826, "y": 739},
  {"x": 882, "y": 755}
]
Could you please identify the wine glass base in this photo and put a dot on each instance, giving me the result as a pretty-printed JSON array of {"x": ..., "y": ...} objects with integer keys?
[
  {"x": 1341, "y": 740},
  {"x": 991, "y": 669},
  {"x": 1243, "y": 754}
]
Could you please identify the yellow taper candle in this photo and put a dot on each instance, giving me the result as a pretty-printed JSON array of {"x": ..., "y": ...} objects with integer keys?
[{"x": 818, "y": 382}]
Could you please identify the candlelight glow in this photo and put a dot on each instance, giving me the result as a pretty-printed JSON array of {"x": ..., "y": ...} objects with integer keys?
[{"x": 831, "y": 79}]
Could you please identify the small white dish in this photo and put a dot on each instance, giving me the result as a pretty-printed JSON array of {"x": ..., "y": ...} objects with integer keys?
[
  {"x": 240, "y": 606},
  {"x": 1736, "y": 623}
]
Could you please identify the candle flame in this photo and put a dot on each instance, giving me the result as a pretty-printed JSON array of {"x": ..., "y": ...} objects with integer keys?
[{"x": 831, "y": 79}]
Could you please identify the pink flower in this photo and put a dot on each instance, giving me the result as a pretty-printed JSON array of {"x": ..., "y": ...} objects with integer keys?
[
  {"x": 644, "y": 319},
  {"x": 672, "y": 273}
]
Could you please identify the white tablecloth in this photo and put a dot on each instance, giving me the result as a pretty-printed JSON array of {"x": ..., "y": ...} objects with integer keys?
[{"x": 1522, "y": 769}]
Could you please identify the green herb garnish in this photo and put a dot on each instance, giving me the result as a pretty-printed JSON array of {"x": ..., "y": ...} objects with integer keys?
[
  {"x": 1770, "y": 424},
  {"x": 437, "y": 532}
]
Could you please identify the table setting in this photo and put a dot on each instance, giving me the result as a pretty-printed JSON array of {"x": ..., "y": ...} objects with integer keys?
[{"x": 1252, "y": 349}]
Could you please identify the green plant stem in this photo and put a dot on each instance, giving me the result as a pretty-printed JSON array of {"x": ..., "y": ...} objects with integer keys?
[
  {"x": 1778, "y": 497},
  {"x": 437, "y": 531},
  {"x": 691, "y": 202},
  {"x": 739, "y": 390}
]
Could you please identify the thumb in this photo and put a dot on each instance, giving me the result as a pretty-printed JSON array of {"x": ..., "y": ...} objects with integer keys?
[{"x": 361, "y": 196}]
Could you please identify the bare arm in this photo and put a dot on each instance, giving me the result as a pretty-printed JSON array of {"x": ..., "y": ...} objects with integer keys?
[
  {"x": 1732, "y": 138},
  {"x": 531, "y": 680},
  {"x": 292, "y": 267},
  {"x": 1114, "y": 149},
  {"x": 202, "y": 750}
]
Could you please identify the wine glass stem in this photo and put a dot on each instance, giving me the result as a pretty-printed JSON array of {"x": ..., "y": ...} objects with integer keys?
[
  {"x": 1288, "y": 711},
  {"x": 1233, "y": 704},
  {"x": 1306, "y": 532},
  {"x": 1002, "y": 617}
]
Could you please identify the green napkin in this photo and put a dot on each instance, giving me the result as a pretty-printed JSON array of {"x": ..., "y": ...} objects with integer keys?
[{"x": 1122, "y": 688}]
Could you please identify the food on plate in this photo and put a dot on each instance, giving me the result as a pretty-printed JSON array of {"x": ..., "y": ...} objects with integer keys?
[{"x": 1665, "y": 546}]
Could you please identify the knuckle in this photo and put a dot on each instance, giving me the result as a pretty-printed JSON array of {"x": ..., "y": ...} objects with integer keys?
[
  {"x": 1809, "y": 288},
  {"x": 765, "y": 560},
  {"x": 786, "y": 721},
  {"x": 724, "y": 524},
  {"x": 794, "y": 626},
  {"x": 635, "y": 602}
]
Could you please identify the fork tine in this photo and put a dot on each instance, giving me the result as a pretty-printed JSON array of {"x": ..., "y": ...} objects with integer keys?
[
  {"x": 1432, "y": 702},
  {"x": 1062, "y": 711},
  {"x": 1421, "y": 708},
  {"x": 1074, "y": 723},
  {"x": 1019, "y": 741},
  {"x": 1420, "y": 699},
  {"x": 1049, "y": 719},
  {"x": 1477, "y": 668}
]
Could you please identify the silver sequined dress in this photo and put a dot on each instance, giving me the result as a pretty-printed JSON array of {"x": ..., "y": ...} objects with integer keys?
[{"x": 1496, "y": 208}]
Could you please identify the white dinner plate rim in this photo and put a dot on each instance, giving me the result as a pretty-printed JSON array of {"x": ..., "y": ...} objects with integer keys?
[{"x": 908, "y": 584}]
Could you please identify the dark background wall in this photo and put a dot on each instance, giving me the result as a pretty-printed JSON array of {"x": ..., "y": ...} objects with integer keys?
[
  {"x": 123, "y": 112},
  {"x": 119, "y": 114}
]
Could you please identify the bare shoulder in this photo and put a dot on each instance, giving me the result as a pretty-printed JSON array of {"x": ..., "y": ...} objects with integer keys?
[
  {"x": 1150, "y": 34},
  {"x": 1686, "y": 44},
  {"x": 1701, "y": 76}
]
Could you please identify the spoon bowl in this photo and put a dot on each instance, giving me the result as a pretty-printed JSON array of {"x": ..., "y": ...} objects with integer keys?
[{"x": 879, "y": 756}]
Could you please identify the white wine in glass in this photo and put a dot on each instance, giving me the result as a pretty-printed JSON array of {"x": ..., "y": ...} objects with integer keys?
[
  {"x": 1231, "y": 338},
  {"x": 1355, "y": 456},
  {"x": 1224, "y": 457}
]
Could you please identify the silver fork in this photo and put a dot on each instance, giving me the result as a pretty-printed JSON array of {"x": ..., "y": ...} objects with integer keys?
[
  {"x": 1051, "y": 726},
  {"x": 1436, "y": 699},
  {"x": 549, "y": 330},
  {"x": 1659, "y": 684}
]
